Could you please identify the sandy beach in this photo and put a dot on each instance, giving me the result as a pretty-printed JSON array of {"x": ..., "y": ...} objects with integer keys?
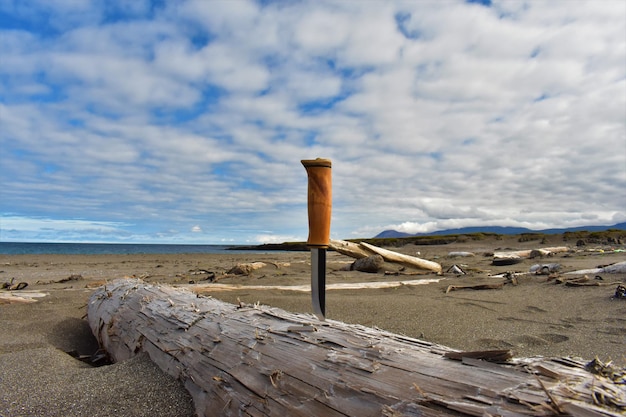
[{"x": 538, "y": 316}]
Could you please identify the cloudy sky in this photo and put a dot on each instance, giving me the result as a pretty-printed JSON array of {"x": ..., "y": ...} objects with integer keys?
[{"x": 185, "y": 121}]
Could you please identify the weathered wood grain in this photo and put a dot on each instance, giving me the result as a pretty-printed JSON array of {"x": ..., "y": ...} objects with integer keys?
[{"x": 263, "y": 361}]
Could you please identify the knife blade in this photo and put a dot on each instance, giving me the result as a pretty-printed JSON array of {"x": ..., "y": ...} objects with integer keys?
[
  {"x": 319, "y": 204},
  {"x": 318, "y": 282}
]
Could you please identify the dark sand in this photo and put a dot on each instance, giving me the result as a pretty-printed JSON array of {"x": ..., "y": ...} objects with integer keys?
[{"x": 536, "y": 317}]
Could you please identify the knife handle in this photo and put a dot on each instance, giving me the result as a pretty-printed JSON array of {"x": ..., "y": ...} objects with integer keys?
[{"x": 320, "y": 197}]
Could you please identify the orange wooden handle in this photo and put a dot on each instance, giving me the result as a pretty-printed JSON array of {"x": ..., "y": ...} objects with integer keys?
[{"x": 320, "y": 201}]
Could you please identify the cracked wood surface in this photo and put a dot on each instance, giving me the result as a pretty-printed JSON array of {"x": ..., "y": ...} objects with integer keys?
[{"x": 262, "y": 361}]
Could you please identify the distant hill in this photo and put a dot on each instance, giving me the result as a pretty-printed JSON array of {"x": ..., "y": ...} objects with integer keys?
[{"x": 500, "y": 230}]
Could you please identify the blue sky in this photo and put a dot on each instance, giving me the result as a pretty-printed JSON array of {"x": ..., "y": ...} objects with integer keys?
[{"x": 185, "y": 121}]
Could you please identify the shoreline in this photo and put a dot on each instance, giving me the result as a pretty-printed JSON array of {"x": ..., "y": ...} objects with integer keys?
[
  {"x": 535, "y": 317},
  {"x": 416, "y": 311}
]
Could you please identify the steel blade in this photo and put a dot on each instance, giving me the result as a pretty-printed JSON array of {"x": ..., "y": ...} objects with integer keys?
[{"x": 318, "y": 281}]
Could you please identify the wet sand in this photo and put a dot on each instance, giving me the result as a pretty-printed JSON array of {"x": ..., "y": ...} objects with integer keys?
[{"x": 535, "y": 317}]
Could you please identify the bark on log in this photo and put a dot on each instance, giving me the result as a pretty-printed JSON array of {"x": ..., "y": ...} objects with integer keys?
[
  {"x": 262, "y": 361},
  {"x": 411, "y": 261}
]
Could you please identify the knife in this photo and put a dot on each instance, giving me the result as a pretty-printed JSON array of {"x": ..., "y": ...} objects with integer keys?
[{"x": 319, "y": 204}]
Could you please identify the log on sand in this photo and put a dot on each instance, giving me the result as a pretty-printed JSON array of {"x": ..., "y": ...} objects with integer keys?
[
  {"x": 263, "y": 361},
  {"x": 353, "y": 250},
  {"x": 21, "y": 297},
  {"x": 616, "y": 268},
  {"x": 363, "y": 250},
  {"x": 412, "y": 261},
  {"x": 530, "y": 253},
  {"x": 214, "y": 287}
]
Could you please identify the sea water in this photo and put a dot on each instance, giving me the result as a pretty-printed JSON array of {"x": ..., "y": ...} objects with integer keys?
[{"x": 23, "y": 248}]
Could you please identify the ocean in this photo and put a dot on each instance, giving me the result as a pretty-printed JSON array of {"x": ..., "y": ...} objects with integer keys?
[{"x": 23, "y": 248}]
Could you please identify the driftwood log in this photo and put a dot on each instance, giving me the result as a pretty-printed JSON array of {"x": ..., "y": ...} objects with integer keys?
[
  {"x": 214, "y": 287},
  {"x": 411, "y": 261},
  {"x": 363, "y": 250},
  {"x": 353, "y": 250},
  {"x": 531, "y": 253},
  {"x": 616, "y": 268},
  {"x": 262, "y": 361}
]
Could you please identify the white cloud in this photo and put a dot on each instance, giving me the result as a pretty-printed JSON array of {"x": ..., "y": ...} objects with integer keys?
[
  {"x": 435, "y": 115},
  {"x": 269, "y": 238},
  {"x": 22, "y": 228}
]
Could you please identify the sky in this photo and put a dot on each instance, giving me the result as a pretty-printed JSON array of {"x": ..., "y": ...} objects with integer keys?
[{"x": 140, "y": 121}]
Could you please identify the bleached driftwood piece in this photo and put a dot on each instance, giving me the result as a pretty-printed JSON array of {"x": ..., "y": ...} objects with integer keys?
[
  {"x": 616, "y": 268},
  {"x": 411, "y": 261},
  {"x": 21, "y": 297},
  {"x": 214, "y": 287},
  {"x": 262, "y": 361},
  {"x": 349, "y": 249},
  {"x": 530, "y": 253},
  {"x": 363, "y": 250}
]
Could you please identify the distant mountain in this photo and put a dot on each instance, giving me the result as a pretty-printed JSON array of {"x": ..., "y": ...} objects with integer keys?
[
  {"x": 500, "y": 230},
  {"x": 392, "y": 233}
]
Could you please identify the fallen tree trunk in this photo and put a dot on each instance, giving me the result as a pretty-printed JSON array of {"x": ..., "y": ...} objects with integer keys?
[{"x": 262, "y": 361}]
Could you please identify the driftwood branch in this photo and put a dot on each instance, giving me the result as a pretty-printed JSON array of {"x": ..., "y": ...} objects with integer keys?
[
  {"x": 531, "y": 253},
  {"x": 262, "y": 361},
  {"x": 363, "y": 249},
  {"x": 616, "y": 268},
  {"x": 497, "y": 286},
  {"x": 213, "y": 287},
  {"x": 411, "y": 261},
  {"x": 512, "y": 257},
  {"x": 353, "y": 250}
]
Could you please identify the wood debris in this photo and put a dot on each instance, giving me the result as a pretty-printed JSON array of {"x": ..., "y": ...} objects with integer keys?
[
  {"x": 584, "y": 281},
  {"x": 509, "y": 278},
  {"x": 496, "y": 286},
  {"x": 363, "y": 250},
  {"x": 616, "y": 268},
  {"x": 71, "y": 278},
  {"x": 23, "y": 297},
  {"x": 13, "y": 286},
  {"x": 253, "y": 360},
  {"x": 215, "y": 287}
]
